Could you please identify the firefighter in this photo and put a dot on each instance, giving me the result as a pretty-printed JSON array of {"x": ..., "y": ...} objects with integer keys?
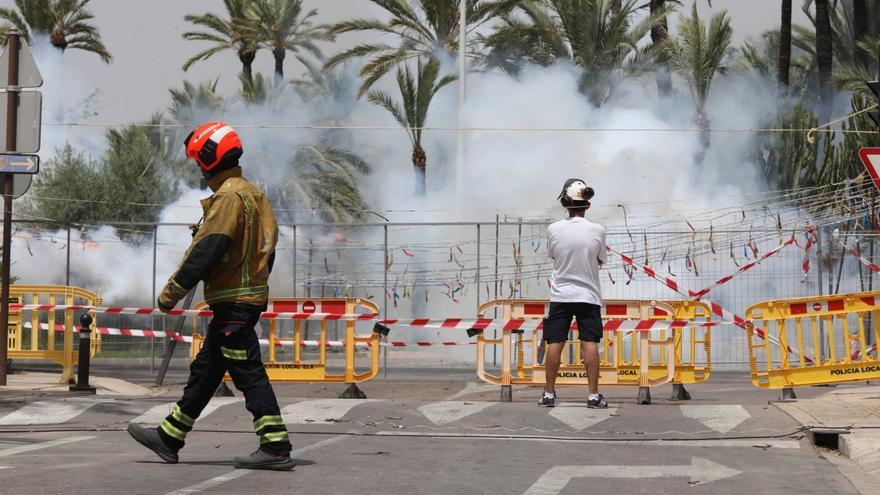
[{"x": 232, "y": 252}]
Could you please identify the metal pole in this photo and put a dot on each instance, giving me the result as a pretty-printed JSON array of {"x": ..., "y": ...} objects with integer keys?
[
  {"x": 67, "y": 277},
  {"x": 385, "y": 300},
  {"x": 294, "y": 261},
  {"x": 11, "y": 125},
  {"x": 478, "y": 267},
  {"x": 462, "y": 78},
  {"x": 819, "y": 262},
  {"x": 153, "y": 300},
  {"x": 495, "y": 316}
]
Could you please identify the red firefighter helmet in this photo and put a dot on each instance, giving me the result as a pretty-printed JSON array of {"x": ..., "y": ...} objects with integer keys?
[{"x": 212, "y": 144}]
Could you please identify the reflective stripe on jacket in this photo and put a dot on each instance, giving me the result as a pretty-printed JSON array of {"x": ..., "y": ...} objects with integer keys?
[{"x": 233, "y": 250}]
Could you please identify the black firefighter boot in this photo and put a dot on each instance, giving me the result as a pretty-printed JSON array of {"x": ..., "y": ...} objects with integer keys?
[
  {"x": 264, "y": 460},
  {"x": 149, "y": 438}
]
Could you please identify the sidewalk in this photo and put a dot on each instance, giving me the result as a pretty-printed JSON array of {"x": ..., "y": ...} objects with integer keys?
[
  {"x": 30, "y": 383},
  {"x": 853, "y": 408}
]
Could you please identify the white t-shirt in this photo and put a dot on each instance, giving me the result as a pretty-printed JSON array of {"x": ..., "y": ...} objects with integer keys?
[{"x": 577, "y": 248}]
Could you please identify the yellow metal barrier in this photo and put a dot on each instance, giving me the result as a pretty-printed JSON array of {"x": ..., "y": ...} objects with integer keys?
[
  {"x": 827, "y": 335},
  {"x": 48, "y": 349},
  {"x": 300, "y": 369},
  {"x": 640, "y": 361}
]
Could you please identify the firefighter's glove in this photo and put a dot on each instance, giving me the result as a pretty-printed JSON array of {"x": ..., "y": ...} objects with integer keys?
[{"x": 170, "y": 295}]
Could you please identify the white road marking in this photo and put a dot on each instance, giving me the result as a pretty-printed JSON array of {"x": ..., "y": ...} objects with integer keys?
[
  {"x": 699, "y": 471},
  {"x": 721, "y": 418},
  {"x": 443, "y": 413},
  {"x": 761, "y": 443},
  {"x": 579, "y": 417},
  {"x": 238, "y": 473},
  {"x": 156, "y": 414},
  {"x": 473, "y": 388},
  {"x": 48, "y": 412},
  {"x": 42, "y": 445},
  {"x": 324, "y": 411}
]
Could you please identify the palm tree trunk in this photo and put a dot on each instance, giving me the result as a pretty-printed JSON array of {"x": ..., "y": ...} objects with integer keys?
[
  {"x": 247, "y": 64},
  {"x": 860, "y": 30},
  {"x": 279, "y": 54},
  {"x": 702, "y": 121},
  {"x": 420, "y": 164},
  {"x": 659, "y": 35},
  {"x": 783, "y": 63},
  {"x": 824, "y": 59}
]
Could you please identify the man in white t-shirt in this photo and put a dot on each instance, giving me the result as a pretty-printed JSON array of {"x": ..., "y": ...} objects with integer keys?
[{"x": 577, "y": 248}]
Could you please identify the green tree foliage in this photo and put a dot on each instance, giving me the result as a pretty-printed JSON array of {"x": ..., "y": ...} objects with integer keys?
[
  {"x": 697, "y": 55},
  {"x": 130, "y": 184},
  {"x": 420, "y": 28},
  {"x": 598, "y": 36},
  {"x": 281, "y": 26},
  {"x": 65, "y": 22},
  {"x": 235, "y": 32},
  {"x": 416, "y": 92}
]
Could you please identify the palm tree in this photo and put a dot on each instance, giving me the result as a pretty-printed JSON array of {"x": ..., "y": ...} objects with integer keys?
[
  {"x": 66, "y": 22},
  {"x": 326, "y": 179},
  {"x": 697, "y": 55},
  {"x": 783, "y": 65},
  {"x": 234, "y": 33},
  {"x": 824, "y": 59},
  {"x": 601, "y": 40},
  {"x": 659, "y": 36},
  {"x": 280, "y": 26},
  {"x": 860, "y": 29},
  {"x": 416, "y": 92},
  {"x": 192, "y": 105},
  {"x": 422, "y": 28},
  {"x": 330, "y": 92}
]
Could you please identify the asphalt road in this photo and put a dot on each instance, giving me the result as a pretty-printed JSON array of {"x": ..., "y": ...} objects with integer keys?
[{"x": 443, "y": 435}]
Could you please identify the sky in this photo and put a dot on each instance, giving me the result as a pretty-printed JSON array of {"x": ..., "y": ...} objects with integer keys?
[{"x": 145, "y": 39}]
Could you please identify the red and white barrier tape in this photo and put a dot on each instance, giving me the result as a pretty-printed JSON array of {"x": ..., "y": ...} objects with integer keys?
[
  {"x": 696, "y": 296},
  {"x": 716, "y": 309},
  {"x": 871, "y": 266},
  {"x": 267, "y": 315},
  {"x": 131, "y": 332}
]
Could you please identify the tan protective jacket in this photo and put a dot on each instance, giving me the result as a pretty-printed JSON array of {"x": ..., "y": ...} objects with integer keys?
[{"x": 234, "y": 248}]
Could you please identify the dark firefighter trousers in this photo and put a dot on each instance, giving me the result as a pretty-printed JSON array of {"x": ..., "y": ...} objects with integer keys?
[{"x": 231, "y": 345}]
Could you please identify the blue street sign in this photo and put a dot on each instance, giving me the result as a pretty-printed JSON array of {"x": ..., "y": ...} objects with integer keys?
[{"x": 19, "y": 164}]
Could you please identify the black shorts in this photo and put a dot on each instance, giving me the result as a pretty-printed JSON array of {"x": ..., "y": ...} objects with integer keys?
[{"x": 558, "y": 321}]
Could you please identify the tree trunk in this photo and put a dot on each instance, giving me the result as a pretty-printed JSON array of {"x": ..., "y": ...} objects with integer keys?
[
  {"x": 279, "y": 54},
  {"x": 420, "y": 164},
  {"x": 659, "y": 35},
  {"x": 860, "y": 30},
  {"x": 783, "y": 63},
  {"x": 58, "y": 39},
  {"x": 824, "y": 59},
  {"x": 247, "y": 64},
  {"x": 705, "y": 126}
]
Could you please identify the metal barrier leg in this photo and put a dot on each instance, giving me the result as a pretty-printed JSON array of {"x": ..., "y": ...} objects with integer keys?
[
  {"x": 506, "y": 393},
  {"x": 788, "y": 394},
  {"x": 223, "y": 391},
  {"x": 353, "y": 392},
  {"x": 679, "y": 392},
  {"x": 644, "y": 395}
]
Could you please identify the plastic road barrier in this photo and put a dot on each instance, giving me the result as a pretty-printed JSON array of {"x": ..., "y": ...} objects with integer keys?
[
  {"x": 316, "y": 369},
  {"x": 34, "y": 346},
  {"x": 832, "y": 330},
  {"x": 641, "y": 359}
]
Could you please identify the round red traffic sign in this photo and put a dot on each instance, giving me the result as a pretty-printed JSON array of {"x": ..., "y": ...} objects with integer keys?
[
  {"x": 309, "y": 307},
  {"x": 817, "y": 306}
]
